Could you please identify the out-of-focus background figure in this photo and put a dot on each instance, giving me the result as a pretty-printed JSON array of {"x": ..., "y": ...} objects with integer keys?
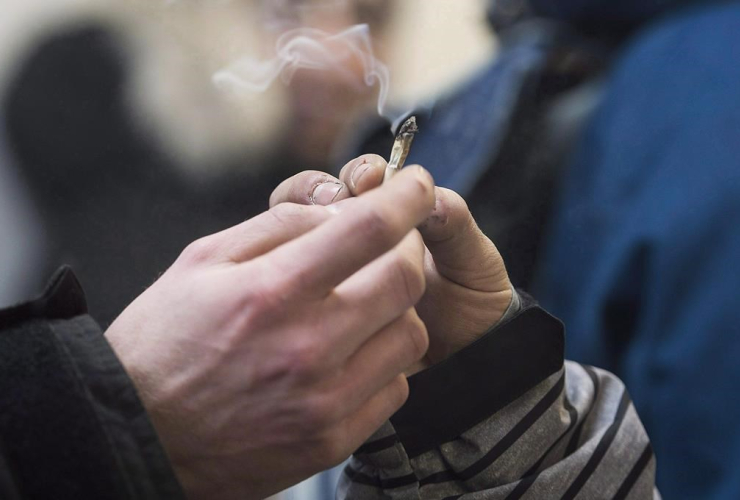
[
  {"x": 641, "y": 257},
  {"x": 597, "y": 151},
  {"x": 118, "y": 150},
  {"x": 127, "y": 151},
  {"x": 594, "y": 141}
]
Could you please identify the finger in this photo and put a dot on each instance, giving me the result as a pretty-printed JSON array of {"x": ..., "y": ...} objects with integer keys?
[
  {"x": 363, "y": 174},
  {"x": 310, "y": 188},
  {"x": 376, "y": 295},
  {"x": 383, "y": 357},
  {"x": 461, "y": 252},
  {"x": 321, "y": 259},
  {"x": 375, "y": 412},
  {"x": 258, "y": 235}
]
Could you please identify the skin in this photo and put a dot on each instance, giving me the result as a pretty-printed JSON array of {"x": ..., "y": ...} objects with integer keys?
[
  {"x": 256, "y": 355},
  {"x": 468, "y": 289},
  {"x": 272, "y": 350}
]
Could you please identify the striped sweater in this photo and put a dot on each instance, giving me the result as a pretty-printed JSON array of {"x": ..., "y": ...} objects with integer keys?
[{"x": 508, "y": 418}]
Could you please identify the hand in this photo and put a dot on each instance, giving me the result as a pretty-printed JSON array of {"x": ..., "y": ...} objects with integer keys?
[
  {"x": 468, "y": 289},
  {"x": 272, "y": 350}
]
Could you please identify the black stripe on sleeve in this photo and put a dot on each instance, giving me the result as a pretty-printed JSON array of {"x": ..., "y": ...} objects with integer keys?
[
  {"x": 600, "y": 451},
  {"x": 505, "y": 443},
  {"x": 635, "y": 473},
  {"x": 576, "y": 438},
  {"x": 359, "y": 477},
  {"x": 378, "y": 445},
  {"x": 499, "y": 449},
  {"x": 532, "y": 474},
  {"x": 385, "y": 484}
]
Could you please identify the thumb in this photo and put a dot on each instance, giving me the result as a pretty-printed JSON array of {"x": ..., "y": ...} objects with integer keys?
[{"x": 462, "y": 253}]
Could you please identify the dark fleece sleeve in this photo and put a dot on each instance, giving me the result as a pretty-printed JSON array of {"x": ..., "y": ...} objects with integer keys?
[{"x": 72, "y": 425}]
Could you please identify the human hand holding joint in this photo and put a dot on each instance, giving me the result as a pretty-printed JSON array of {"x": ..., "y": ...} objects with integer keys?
[
  {"x": 468, "y": 288},
  {"x": 272, "y": 350}
]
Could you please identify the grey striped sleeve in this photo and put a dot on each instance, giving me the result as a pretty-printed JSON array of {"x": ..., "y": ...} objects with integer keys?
[{"x": 572, "y": 435}]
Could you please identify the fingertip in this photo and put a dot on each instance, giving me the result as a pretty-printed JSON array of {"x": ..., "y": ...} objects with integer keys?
[
  {"x": 423, "y": 179},
  {"x": 327, "y": 192},
  {"x": 309, "y": 188},
  {"x": 449, "y": 216},
  {"x": 363, "y": 173},
  {"x": 400, "y": 391},
  {"x": 422, "y": 172}
]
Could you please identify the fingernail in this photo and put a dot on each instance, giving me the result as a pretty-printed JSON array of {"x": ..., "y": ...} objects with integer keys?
[
  {"x": 325, "y": 193},
  {"x": 358, "y": 173}
]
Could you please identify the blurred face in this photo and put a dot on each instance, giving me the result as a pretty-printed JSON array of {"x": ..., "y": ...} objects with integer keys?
[{"x": 322, "y": 102}]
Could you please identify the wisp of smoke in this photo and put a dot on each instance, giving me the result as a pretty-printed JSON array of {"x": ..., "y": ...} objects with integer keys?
[{"x": 311, "y": 49}]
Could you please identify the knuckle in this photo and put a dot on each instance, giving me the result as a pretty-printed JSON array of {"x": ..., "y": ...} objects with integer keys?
[
  {"x": 319, "y": 417},
  {"x": 417, "y": 335},
  {"x": 332, "y": 448},
  {"x": 302, "y": 367},
  {"x": 305, "y": 371},
  {"x": 294, "y": 188},
  {"x": 420, "y": 185},
  {"x": 292, "y": 217},
  {"x": 285, "y": 212},
  {"x": 264, "y": 299},
  {"x": 377, "y": 228},
  {"x": 411, "y": 280},
  {"x": 307, "y": 360},
  {"x": 199, "y": 251},
  {"x": 398, "y": 392},
  {"x": 294, "y": 283}
]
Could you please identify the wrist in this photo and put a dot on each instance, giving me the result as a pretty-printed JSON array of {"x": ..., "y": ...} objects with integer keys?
[{"x": 472, "y": 318}]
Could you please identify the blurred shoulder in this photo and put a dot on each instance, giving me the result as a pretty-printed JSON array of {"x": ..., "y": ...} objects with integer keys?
[{"x": 669, "y": 111}]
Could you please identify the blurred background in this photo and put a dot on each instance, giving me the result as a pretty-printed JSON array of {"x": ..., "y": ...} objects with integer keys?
[
  {"x": 117, "y": 149},
  {"x": 594, "y": 141},
  {"x": 121, "y": 150}
]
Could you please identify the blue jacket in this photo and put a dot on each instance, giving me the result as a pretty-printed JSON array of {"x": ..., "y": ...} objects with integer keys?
[{"x": 642, "y": 261}]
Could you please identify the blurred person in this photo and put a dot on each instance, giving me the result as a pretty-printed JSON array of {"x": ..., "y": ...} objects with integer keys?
[
  {"x": 641, "y": 257},
  {"x": 112, "y": 197},
  {"x": 322, "y": 106},
  {"x": 249, "y": 388},
  {"x": 415, "y": 454},
  {"x": 122, "y": 148},
  {"x": 20, "y": 242},
  {"x": 594, "y": 150},
  {"x": 121, "y": 138},
  {"x": 94, "y": 44},
  {"x": 502, "y": 137}
]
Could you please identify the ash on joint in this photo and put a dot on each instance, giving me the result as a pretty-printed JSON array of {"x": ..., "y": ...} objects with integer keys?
[{"x": 409, "y": 127}]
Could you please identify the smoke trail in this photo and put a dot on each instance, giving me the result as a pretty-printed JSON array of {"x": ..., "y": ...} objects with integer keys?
[{"x": 312, "y": 49}]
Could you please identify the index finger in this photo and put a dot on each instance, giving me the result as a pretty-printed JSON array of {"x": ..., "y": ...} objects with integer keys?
[
  {"x": 363, "y": 174},
  {"x": 375, "y": 223}
]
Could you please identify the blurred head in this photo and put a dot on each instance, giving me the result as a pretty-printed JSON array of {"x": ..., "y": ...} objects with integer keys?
[{"x": 323, "y": 102}]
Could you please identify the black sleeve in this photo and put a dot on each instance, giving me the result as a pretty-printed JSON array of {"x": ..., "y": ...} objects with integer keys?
[
  {"x": 72, "y": 425},
  {"x": 481, "y": 379}
]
